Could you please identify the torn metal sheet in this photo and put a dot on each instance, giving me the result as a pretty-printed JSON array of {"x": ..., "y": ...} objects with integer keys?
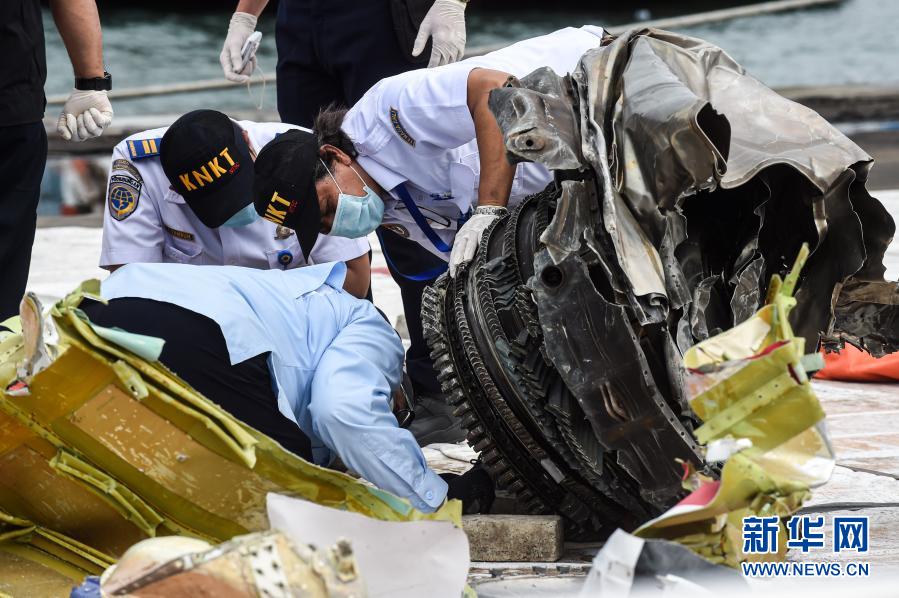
[
  {"x": 629, "y": 565},
  {"x": 682, "y": 186},
  {"x": 746, "y": 298},
  {"x": 666, "y": 118},
  {"x": 615, "y": 411},
  {"x": 109, "y": 448}
]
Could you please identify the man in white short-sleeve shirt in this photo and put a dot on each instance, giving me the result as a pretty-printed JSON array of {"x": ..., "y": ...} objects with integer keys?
[
  {"x": 152, "y": 217},
  {"x": 428, "y": 147}
]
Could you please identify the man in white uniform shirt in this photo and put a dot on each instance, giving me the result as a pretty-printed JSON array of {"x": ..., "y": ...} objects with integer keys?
[
  {"x": 427, "y": 146},
  {"x": 152, "y": 217}
]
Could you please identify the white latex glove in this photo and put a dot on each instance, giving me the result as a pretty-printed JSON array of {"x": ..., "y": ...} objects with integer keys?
[
  {"x": 241, "y": 27},
  {"x": 467, "y": 240},
  {"x": 84, "y": 115},
  {"x": 445, "y": 23}
]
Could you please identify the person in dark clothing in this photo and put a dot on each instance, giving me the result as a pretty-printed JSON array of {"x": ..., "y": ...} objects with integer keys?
[
  {"x": 330, "y": 55},
  {"x": 23, "y": 140}
]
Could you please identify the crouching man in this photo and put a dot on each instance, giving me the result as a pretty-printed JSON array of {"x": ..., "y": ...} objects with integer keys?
[{"x": 271, "y": 346}]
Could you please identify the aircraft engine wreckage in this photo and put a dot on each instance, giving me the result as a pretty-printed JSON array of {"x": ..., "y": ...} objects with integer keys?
[{"x": 682, "y": 185}]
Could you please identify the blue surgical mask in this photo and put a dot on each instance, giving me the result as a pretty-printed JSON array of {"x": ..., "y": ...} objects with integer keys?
[
  {"x": 244, "y": 217},
  {"x": 356, "y": 216}
]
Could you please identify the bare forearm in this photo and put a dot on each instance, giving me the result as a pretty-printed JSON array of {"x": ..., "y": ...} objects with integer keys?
[
  {"x": 253, "y": 7},
  {"x": 497, "y": 173},
  {"x": 79, "y": 25}
]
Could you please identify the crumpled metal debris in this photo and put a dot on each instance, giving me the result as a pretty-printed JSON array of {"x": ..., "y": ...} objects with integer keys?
[
  {"x": 750, "y": 388},
  {"x": 866, "y": 315},
  {"x": 261, "y": 564},
  {"x": 682, "y": 186}
]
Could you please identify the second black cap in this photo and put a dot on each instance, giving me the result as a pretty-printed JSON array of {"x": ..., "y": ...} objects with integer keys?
[{"x": 284, "y": 185}]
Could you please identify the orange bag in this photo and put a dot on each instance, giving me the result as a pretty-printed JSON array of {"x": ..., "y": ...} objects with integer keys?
[{"x": 852, "y": 365}]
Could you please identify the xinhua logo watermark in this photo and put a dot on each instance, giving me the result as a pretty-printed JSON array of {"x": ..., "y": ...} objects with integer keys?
[{"x": 806, "y": 533}]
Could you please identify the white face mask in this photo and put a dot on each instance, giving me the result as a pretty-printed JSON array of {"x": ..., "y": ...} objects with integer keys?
[{"x": 356, "y": 216}]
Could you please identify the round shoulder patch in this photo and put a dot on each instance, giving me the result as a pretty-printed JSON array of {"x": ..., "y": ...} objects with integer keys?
[{"x": 123, "y": 195}]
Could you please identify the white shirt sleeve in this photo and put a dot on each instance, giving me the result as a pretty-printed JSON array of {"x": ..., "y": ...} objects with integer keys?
[
  {"x": 337, "y": 249},
  {"x": 136, "y": 234},
  {"x": 560, "y": 50},
  {"x": 428, "y": 108}
]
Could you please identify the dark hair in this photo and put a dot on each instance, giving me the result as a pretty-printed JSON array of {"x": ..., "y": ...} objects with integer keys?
[{"x": 328, "y": 132}]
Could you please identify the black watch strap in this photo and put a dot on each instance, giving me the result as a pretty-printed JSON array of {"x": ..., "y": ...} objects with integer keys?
[{"x": 103, "y": 83}]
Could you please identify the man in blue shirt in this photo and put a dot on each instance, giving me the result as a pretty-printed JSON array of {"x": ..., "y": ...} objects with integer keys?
[{"x": 260, "y": 342}]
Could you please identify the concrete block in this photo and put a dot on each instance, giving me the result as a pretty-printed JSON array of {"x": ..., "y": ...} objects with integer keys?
[{"x": 511, "y": 538}]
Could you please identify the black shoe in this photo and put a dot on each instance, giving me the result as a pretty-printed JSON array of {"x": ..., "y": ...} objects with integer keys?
[
  {"x": 434, "y": 422},
  {"x": 474, "y": 488}
]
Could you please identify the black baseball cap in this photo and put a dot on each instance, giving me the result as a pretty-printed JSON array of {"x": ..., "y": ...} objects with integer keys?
[
  {"x": 284, "y": 185},
  {"x": 207, "y": 161}
]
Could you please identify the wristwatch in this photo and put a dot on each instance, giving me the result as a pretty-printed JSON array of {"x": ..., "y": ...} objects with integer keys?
[
  {"x": 103, "y": 83},
  {"x": 492, "y": 210}
]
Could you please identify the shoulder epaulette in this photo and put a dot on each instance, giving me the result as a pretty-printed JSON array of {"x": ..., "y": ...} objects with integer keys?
[{"x": 144, "y": 148}]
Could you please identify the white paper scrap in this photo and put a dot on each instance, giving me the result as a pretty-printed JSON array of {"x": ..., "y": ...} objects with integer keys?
[{"x": 398, "y": 559}]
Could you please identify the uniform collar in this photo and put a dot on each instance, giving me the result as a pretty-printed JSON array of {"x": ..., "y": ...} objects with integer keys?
[
  {"x": 261, "y": 133},
  {"x": 253, "y": 140}
]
